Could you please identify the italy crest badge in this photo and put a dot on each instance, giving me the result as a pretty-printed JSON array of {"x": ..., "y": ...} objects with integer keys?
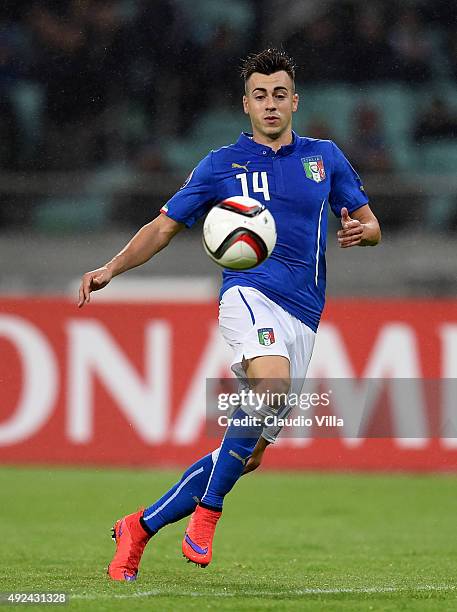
[{"x": 314, "y": 168}]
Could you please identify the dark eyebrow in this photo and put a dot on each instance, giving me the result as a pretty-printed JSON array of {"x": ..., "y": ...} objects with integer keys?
[{"x": 275, "y": 89}]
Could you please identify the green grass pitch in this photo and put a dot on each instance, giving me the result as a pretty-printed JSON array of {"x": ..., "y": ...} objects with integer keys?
[{"x": 286, "y": 541}]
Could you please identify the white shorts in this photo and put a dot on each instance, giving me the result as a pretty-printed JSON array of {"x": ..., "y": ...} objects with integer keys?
[{"x": 253, "y": 325}]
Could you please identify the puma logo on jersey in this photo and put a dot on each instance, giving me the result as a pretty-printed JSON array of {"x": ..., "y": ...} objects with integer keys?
[{"x": 245, "y": 167}]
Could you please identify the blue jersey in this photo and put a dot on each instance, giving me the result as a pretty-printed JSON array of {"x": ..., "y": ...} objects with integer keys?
[{"x": 296, "y": 183}]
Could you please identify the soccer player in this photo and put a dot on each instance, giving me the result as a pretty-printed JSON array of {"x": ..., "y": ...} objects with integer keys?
[{"x": 269, "y": 315}]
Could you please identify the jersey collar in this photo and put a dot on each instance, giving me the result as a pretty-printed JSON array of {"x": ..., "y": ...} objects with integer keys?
[{"x": 245, "y": 141}]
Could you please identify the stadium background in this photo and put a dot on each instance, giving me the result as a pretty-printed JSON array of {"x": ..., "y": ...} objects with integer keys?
[
  {"x": 102, "y": 119},
  {"x": 106, "y": 105}
]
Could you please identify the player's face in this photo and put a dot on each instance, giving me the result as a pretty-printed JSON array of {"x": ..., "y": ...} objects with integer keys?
[{"x": 270, "y": 101}]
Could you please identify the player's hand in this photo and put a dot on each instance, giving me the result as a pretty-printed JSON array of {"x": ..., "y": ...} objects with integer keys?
[
  {"x": 352, "y": 232},
  {"x": 256, "y": 458},
  {"x": 93, "y": 281}
]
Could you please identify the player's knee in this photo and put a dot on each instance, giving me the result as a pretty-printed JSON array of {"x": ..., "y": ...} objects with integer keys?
[
  {"x": 270, "y": 376},
  {"x": 274, "y": 390}
]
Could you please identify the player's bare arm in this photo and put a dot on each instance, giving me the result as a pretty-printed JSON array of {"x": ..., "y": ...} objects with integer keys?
[
  {"x": 360, "y": 228},
  {"x": 148, "y": 241}
]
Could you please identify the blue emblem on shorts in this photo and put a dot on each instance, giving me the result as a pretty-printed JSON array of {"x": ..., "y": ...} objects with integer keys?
[{"x": 266, "y": 336}]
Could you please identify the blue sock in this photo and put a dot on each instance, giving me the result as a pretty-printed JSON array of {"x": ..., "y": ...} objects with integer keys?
[
  {"x": 182, "y": 498},
  {"x": 237, "y": 446}
]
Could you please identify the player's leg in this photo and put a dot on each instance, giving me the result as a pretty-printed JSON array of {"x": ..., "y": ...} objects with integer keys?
[
  {"x": 133, "y": 532},
  {"x": 268, "y": 377},
  {"x": 272, "y": 365},
  {"x": 236, "y": 448},
  {"x": 181, "y": 499},
  {"x": 273, "y": 375}
]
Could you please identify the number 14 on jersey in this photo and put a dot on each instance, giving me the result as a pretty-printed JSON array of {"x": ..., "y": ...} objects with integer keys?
[{"x": 258, "y": 186}]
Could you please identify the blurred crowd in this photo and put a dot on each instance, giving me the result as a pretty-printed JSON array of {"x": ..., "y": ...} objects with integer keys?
[{"x": 87, "y": 82}]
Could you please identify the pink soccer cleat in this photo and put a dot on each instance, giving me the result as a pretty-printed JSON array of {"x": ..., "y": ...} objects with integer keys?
[
  {"x": 130, "y": 538},
  {"x": 198, "y": 540}
]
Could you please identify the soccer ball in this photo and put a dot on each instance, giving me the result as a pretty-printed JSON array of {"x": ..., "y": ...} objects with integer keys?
[{"x": 239, "y": 233}]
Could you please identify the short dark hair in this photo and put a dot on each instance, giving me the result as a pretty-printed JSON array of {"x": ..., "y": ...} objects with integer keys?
[{"x": 268, "y": 61}]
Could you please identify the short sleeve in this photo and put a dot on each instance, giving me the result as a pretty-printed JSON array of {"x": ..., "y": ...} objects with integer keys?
[
  {"x": 346, "y": 187},
  {"x": 195, "y": 197}
]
